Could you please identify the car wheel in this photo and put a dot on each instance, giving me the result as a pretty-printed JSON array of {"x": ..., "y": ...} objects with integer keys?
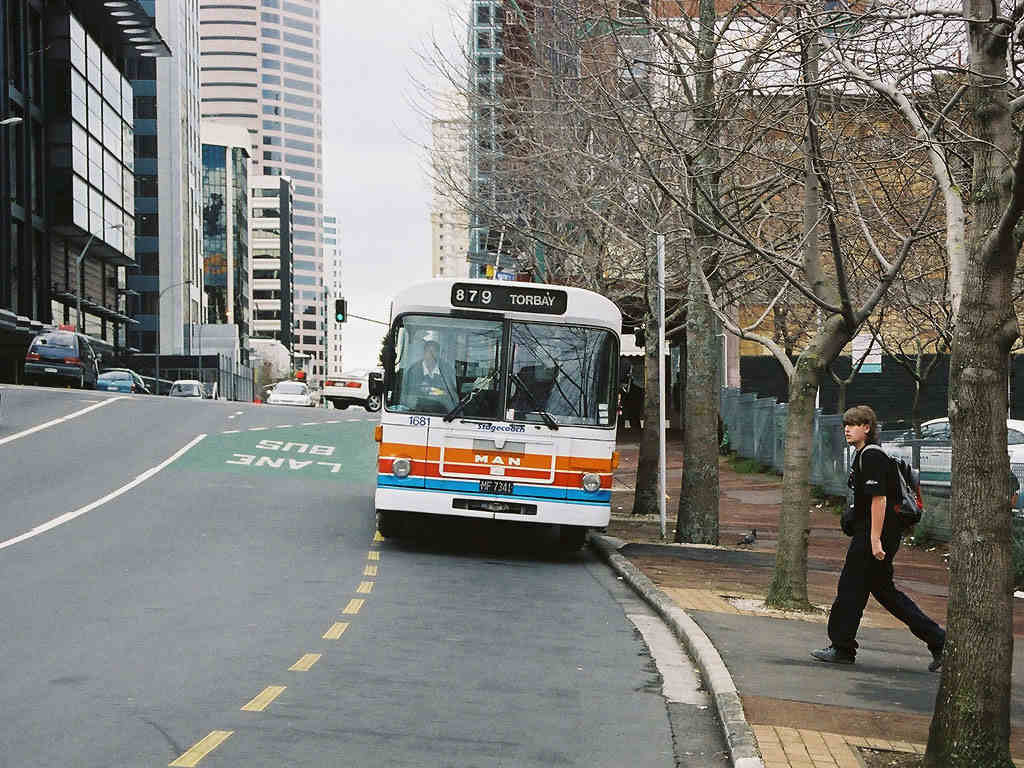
[{"x": 373, "y": 403}]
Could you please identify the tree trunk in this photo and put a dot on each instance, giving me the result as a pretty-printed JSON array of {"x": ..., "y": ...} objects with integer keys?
[
  {"x": 971, "y": 726},
  {"x": 698, "y": 499},
  {"x": 645, "y": 500},
  {"x": 789, "y": 582},
  {"x": 841, "y": 403}
]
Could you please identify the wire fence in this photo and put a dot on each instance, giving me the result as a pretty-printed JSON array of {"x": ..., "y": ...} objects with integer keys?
[{"x": 756, "y": 429}]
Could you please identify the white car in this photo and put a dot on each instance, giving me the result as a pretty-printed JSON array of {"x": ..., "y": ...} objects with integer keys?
[
  {"x": 290, "y": 393},
  {"x": 187, "y": 388},
  {"x": 352, "y": 388},
  {"x": 937, "y": 459}
]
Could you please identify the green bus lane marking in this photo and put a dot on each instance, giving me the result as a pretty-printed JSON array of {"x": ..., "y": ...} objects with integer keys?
[{"x": 342, "y": 452}]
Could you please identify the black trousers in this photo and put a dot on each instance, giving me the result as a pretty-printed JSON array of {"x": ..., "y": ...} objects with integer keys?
[{"x": 863, "y": 575}]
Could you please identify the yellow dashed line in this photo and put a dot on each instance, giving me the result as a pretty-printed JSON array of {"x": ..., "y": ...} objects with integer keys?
[
  {"x": 353, "y": 605},
  {"x": 201, "y": 749},
  {"x": 262, "y": 701},
  {"x": 372, "y": 555},
  {"x": 303, "y": 664},
  {"x": 337, "y": 630},
  {"x": 364, "y": 588},
  {"x": 370, "y": 570}
]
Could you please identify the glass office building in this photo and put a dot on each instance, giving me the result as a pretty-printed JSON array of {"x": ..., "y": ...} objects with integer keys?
[
  {"x": 169, "y": 281},
  {"x": 226, "y": 227},
  {"x": 68, "y": 160}
]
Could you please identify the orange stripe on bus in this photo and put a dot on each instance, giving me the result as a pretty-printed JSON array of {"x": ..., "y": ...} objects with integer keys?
[{"x": 464, "y": 455}]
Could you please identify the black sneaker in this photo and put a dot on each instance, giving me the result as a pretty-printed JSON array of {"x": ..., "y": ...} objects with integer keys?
[
  {"x": 833, "y": 655},
  {"x": 936, "y": 664}
]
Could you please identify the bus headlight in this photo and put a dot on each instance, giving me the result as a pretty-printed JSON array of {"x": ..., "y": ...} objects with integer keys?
[
  {"x": 591, "y": 482},
  {"x": 401, "y": 467}
]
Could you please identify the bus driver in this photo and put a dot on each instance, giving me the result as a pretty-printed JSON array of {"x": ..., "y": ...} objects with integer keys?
[{"x": 428, "y": 384}]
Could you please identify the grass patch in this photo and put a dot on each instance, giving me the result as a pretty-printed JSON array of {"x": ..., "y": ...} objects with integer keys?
[{"x": 746, "y": 466}]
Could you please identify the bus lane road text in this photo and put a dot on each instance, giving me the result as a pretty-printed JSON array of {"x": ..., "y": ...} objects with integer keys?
[{"x": 303, "y": 456}]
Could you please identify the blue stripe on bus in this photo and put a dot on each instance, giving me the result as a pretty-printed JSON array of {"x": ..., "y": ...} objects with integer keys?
[{"x": 473, "y": 487}]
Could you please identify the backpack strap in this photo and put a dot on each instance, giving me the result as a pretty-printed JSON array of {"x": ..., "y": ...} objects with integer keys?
[{"x": 872, "y": 445}]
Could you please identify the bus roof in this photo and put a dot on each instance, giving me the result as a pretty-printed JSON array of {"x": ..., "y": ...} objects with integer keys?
[{"x": 537, "y": 302}]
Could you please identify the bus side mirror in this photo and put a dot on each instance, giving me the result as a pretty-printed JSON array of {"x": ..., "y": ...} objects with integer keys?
[
  {"x": 376, "y": 383},
  {"x": 388, "y": 358}
]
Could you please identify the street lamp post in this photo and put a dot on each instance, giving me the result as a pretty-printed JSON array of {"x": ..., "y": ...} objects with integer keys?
[
  {"x": 78, "y": 272},
  {"x": 160, "y": 296}
]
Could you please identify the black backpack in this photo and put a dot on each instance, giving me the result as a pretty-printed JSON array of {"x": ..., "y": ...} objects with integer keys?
[{"x": 909, "y": 506}]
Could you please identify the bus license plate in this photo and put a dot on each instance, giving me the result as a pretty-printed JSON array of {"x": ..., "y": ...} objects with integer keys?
[{"x": 496, "y": 486}]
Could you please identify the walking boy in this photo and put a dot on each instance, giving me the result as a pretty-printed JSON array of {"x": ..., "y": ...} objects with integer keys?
[{"x": 875, "y": 539}]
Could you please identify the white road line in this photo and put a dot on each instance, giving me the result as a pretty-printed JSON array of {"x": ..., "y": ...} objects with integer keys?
[
  {"x": 284, "y": 426},
  {"x": 310, "y": 423},
  {"x": 68, "y": 516},
  {"x": 332, "y": 421},
  {"x": 55, "y": 422},
  {"x": 231, "y": 431},
  {"x": 258, "y": 429}
]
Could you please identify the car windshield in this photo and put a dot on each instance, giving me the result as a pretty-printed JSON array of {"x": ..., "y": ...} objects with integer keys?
[
  {"x": 290, "y": 388},
  {"x": 188, "y": 388},
  {"x": 66, "y": 340},
  {"x": 115, "y": 376},
  {"x": 441, "y": 360},
  {"x": 559, "y": 373}
]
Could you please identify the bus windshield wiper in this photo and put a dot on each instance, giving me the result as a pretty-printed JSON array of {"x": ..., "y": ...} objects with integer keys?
[
  {"x": 533, "y": 399},
  {"x": 477, "y": 387}
]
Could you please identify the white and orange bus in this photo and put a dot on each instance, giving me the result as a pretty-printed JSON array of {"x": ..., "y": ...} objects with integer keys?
[{"x": 499, "y": 402}]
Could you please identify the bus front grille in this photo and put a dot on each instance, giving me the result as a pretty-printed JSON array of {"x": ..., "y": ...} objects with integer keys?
[{"x": 499, "y": 507}]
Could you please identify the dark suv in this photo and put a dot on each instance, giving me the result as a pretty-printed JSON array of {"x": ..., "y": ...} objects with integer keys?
[{"x": 62, "y": 356}]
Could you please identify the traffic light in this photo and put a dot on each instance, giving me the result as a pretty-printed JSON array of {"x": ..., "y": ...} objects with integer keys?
[{"x": 340, "y": 310}]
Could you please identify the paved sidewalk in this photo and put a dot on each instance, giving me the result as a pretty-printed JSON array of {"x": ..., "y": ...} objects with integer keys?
[{"x": 795, "y": 711}]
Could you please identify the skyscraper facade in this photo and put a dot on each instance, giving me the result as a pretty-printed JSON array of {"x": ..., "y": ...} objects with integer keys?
[
  {"x": 262, "y": 68},
  {"x": 270, "y": 226},
  {"x": 168, "y": 186},
  {"x": 335, "y": 290},
  {"x": 449, "y": 222}
]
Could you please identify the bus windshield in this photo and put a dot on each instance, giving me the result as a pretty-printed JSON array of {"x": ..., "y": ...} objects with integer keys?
[
  {"x": 562, "y": 371},
  {"x": 442, "y": 360},
  {"x": 555, "y": 374}
]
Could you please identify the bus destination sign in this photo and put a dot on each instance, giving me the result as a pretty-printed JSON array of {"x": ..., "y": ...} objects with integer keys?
[{"x": 510, "y": 298}]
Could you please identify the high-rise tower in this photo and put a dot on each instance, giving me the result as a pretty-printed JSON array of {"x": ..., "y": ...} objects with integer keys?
[
  {"x": 168, "y": 187},
  {"x": 261, "y": 67}
]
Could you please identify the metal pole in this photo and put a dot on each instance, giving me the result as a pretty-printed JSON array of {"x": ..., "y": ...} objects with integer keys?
[
  {"x": 78, "y": 284},
  {"x": 662, "y": 481}
]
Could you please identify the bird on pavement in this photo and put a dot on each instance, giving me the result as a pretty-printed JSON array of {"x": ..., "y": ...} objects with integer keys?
[{"x": 749, "y": 539}]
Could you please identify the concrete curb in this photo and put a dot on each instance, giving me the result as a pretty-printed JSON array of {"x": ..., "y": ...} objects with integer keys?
[{"x": 739, "y": 736}]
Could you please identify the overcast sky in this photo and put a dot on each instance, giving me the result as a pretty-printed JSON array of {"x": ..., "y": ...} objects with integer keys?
[{"x": 375, "y": 180}]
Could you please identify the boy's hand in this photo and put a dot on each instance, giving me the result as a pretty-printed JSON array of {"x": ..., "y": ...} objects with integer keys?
[{"x": 876, "y": 549}]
